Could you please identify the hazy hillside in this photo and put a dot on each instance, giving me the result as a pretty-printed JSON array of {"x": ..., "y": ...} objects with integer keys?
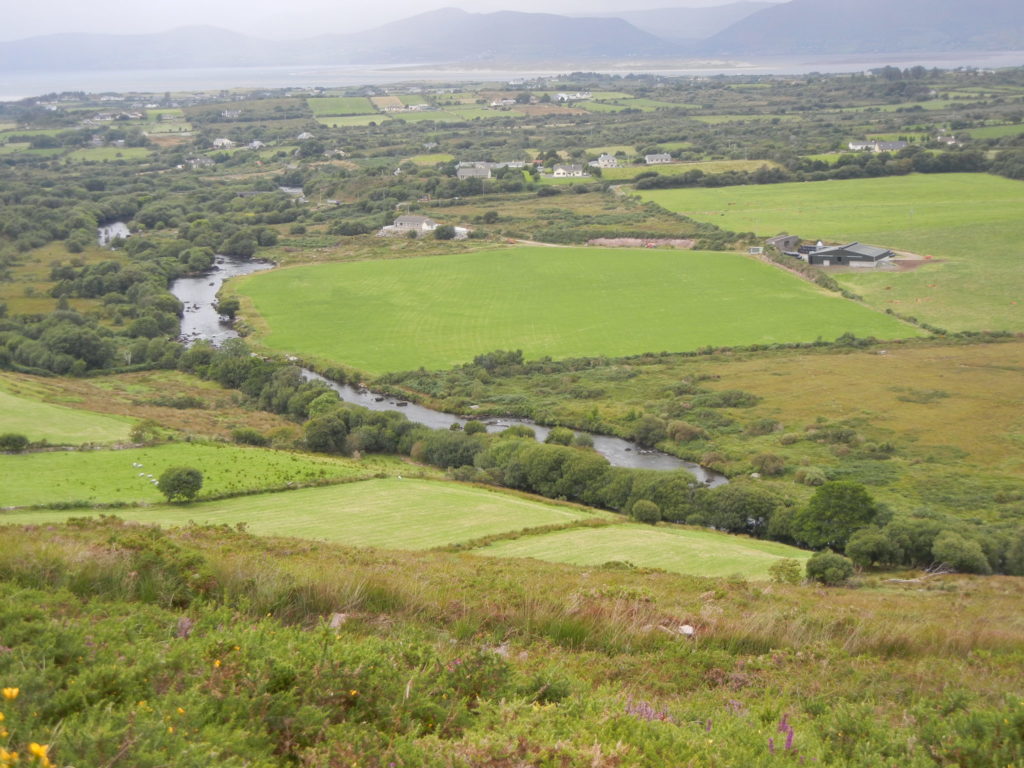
[
  {"x": 438, "y": 36},
  {"x": 689, "y": 24},
  {"x": 183, "y": 47},
  {"x": 883, "y": 26}
]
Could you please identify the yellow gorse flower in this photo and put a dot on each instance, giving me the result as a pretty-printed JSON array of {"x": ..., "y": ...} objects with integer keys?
[
  {"x": 11, "y": 693},
  {"x": 8, "y": 758}
]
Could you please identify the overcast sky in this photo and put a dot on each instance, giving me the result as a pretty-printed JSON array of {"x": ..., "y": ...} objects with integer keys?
[{"x": 270, "y": 18}]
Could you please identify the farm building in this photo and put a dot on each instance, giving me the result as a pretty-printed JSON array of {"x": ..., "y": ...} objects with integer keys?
[
  {"x": 852, "y": 255},
  {"x": 473, "y": 172},
  {"x": 661, "y": 157},
  {"x": 784, "y": 243}
]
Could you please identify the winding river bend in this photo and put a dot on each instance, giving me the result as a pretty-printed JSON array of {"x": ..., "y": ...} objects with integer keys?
[{"x": 201, "y": 321}]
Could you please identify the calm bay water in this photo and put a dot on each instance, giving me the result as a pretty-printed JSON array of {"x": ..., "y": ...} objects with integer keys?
[{"x": 19, "y": 85}]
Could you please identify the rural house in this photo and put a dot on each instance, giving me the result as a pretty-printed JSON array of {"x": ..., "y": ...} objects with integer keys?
[
  {"x": 852, "y": 255},
  {"x": 661, "y": 157},
  {"x": 414, "y": 223},
  {"x": 565, "y": 171},
  {"x": 606, "y": 161}
]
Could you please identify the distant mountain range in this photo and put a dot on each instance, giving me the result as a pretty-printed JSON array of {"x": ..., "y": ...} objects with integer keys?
[{"x": 506, "y": 38}]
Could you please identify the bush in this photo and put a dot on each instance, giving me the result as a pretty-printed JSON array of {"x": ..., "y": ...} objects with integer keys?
[
  {"x": 684, "y": 431},
  {"x": 964, "y": 555},
  {"x": 829, "y": 568},
  {"x": 13, "y": 442},
  {"x": 180, "y": 483},
  {"x": 768, "y": 464},
  {"x": 645, "y": 511},
  {"x": 560, "y": 436},
  {"x": 474, "y": 427},
  {"x": 785, "y": 571},
  {"x": 810, "y": 476},
  {"x": 249, "y": 436}
]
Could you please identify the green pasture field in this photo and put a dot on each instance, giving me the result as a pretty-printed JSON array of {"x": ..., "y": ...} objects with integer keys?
[
  {"x": 970, "y": 224},
  {"x": 433, "y": 159},
  {"x": 389, "y": 513},
  {"x": 99, "y": 477},
  {"x": 337, "y": 106},
  {"x": 610, "y": 149},
  {"x": 440, "y": 311},
  {"x": 412, "y": 99},
  {"x": 55, "y": 423},
  {"x": 672, "y": 169},
  {"x": 716, "y": 119},
  {"x": 602, "y": 106},
  {"x": 108, "y": 154},
  {"x": 994, "y": 131},
  {"x": 349, "y": 122},
  {"x": 14, "y": 147},
  {"x": 678, "y": 550}
]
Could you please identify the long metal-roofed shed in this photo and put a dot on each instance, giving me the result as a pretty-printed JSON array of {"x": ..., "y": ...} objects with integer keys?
[{"x": 852, "y": 255}]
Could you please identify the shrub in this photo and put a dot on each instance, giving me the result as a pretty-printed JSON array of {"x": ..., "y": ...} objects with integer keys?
[
  {"x": 249, "y": 436},
  {"x": 180, "y": 483},
  {"x": 645, "y": 511},
  {"x": 560, "y": 436},
  {"x": 12, "y": 441},
  {"x": 785, "y": 571},
  {"x": 474, "y": 427},
  {"x": 684, "y": 431},
  {"x": 829, "y": 568},
  {"x": 810, "y": 476},
  {"x": 768, "y": 464},
  {"x": 965, "y": 555}
]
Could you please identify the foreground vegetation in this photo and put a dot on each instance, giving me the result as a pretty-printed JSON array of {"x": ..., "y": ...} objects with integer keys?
[{"x": 255, "y": 652}]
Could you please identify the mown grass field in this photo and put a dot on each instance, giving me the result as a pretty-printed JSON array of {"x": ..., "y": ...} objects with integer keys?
[
  {"x": 971, "y": 223},
  {"x": 337, "y": 106},
  {"x": 413, "y": 514},
  {"x": 99, "y": 477},
  {"x": 55, "y": 423},
  {"x": 565, "y": 302},
  {"x": 388, "y": 513},
  {"x": 108, "y": 154},
  {"x": 678, "y": 550},
  {"x": 672, "y": 169}
]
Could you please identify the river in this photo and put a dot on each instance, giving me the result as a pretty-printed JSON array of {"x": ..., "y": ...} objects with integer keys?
[{"x": 201, "y": 321}]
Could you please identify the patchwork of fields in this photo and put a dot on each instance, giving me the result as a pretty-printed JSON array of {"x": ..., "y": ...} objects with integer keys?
[
  {"x": 970, "y": 224},
  {"x": 564, "y": 302},
  {"x": 413, "y": 514}
]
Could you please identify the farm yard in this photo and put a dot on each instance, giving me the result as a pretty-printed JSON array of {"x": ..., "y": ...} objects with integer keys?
[
  {"x": 969, "y": 225},
  {"x": 564, "y": 302}
]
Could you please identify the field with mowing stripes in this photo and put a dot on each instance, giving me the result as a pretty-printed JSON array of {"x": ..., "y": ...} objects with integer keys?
[
  {"x": 389, "y": 513},
  {"x": 335, "y": 106},
  {"x": 421, "y": 514},
  {"x": 680, "y": 550},
  {"x": 56, "y": 424},
  {"x": 565, "y": 302},
  {"x": 971, "y": 223},
  {"x": 99, "y": 477}
]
